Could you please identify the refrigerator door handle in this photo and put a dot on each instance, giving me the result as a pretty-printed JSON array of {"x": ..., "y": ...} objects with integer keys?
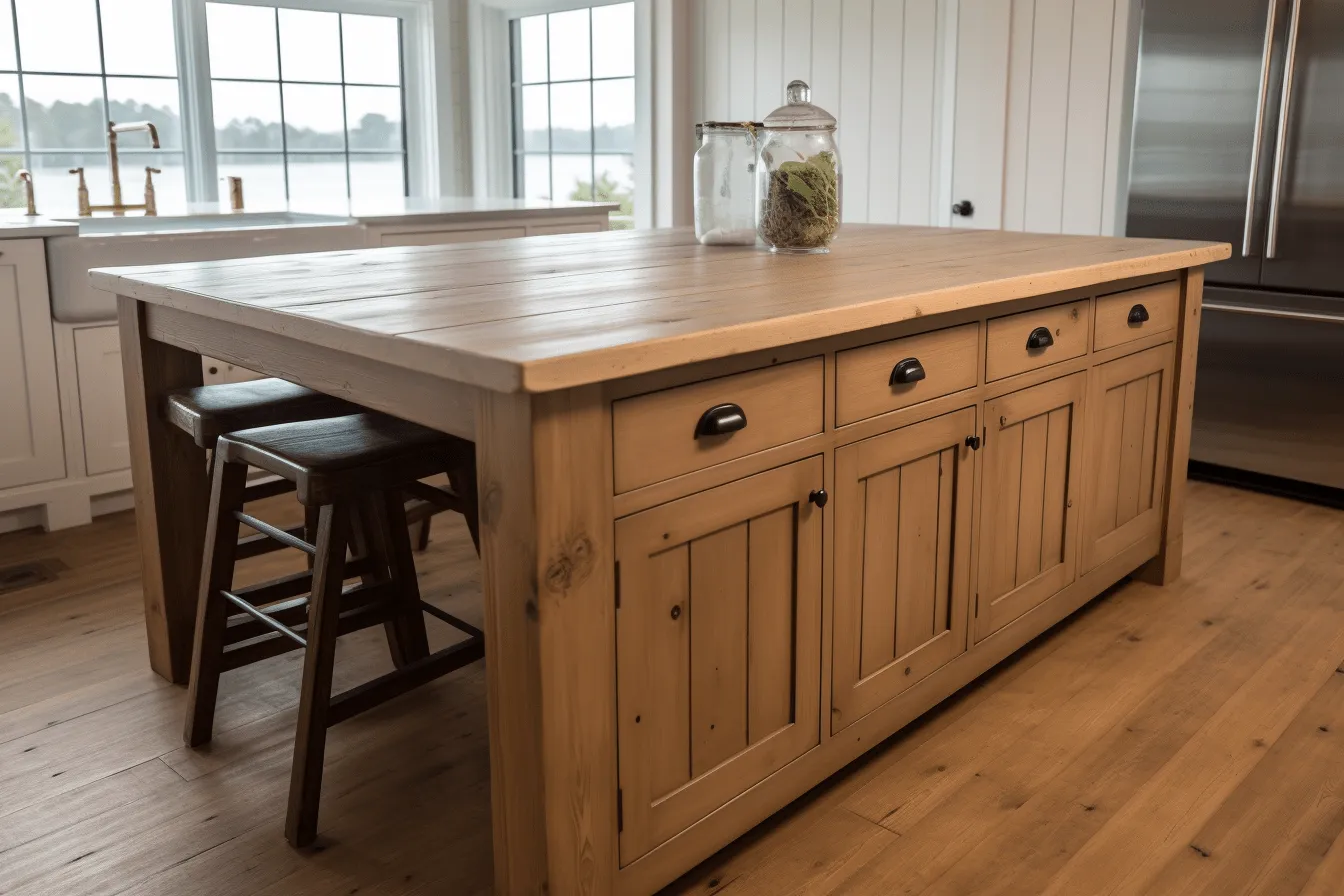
[
  {"x": 1258, "y": 134},
  {"x": 1281, "y": 138}
]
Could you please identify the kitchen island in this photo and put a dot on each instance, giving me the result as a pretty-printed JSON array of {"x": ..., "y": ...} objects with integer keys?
[{"x": 743, "y": 516}]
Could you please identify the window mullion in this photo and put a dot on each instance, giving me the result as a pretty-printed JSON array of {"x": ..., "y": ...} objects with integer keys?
[
  {"x": 23, "y": 98},
  {"x": 196, "y": 99}
]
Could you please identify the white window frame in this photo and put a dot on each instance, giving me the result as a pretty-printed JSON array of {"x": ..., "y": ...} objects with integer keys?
[
  {"x": 424, "y": 109},
  {"x": 492, "y": 94}
]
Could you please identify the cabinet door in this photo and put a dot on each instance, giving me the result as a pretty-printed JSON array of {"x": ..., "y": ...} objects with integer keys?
[
  {"x": 1129, "y": 413},
  {"x": 102, "y": 400},
  {"x": 30, "y": 439},
  {"x": 902, "y": 560},
  {"x": 718, "y": 647},
  {"x": 1028, "y": 515}
]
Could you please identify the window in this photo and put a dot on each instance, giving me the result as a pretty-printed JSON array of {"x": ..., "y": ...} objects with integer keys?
[
  {"x": 67, "y": 67},
  {"x": 308, "y": 105},
  {"x": 574, "y": 106}
]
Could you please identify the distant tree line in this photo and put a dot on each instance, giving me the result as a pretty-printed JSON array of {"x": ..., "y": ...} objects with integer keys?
[{"x": 81, "y": 125}]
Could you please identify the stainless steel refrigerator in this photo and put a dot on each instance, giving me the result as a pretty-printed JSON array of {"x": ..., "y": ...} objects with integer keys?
[{"x": 1239, "y": 137}]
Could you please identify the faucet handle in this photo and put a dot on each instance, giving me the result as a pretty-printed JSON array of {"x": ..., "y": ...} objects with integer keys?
[{"x": 79, "y": 171}]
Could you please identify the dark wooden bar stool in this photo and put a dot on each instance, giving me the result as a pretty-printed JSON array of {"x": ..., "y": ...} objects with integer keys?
[
  {"x": 354, "y": 470},
  {"x": 207, "y": 412}
]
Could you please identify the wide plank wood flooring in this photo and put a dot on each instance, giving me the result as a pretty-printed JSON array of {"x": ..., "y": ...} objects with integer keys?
[{"x": 1179, "y": 740}]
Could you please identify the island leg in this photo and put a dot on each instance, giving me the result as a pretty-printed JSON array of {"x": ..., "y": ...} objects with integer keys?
[
  {"x": 547, "y": 555},
  {"x": 1165, "y": 568},
  {"x": 172, "y": 492}
]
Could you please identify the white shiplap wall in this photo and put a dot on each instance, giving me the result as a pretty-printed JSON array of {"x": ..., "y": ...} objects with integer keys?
[
  {"x": 1036, "y": 134},
  {"x": 882, "y": 67},
  {"x": 1069, "y": 99}
]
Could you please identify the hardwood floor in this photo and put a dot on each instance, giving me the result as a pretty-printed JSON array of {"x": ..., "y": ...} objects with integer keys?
[{"x": 1179, "y": 740}]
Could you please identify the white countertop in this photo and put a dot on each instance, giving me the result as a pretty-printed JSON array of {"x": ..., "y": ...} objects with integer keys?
[{"x": 14, "y": 224}]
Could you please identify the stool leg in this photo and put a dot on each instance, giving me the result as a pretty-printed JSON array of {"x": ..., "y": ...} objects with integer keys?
[
  {"x": 406, "y": 635},
  {"x": 212, "y": 611},
  {"x": 324, "y": 613}
]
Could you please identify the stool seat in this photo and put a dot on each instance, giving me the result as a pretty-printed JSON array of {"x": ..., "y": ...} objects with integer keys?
[
  {"x": 208, "y": 412},
  {"x": 337, "y": 457}
]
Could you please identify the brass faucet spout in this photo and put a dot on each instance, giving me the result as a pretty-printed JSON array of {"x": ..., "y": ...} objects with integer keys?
[{"x": 132, "y": 126}]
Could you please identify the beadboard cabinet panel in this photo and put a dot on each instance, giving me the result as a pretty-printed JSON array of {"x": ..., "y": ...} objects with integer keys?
[{"x": 718, "y": 647}]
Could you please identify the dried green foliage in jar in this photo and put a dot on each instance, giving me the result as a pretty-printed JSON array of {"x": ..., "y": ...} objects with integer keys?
[
  {"x": 798, "y": 176},
  {"x": 801, "y": 207}
]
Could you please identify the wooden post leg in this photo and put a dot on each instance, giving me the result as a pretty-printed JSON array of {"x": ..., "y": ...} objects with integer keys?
[
  {"x": 171, "y": 490},
  {"x": 545, "y": 485},
  {"x": 1165, "y": 568}
]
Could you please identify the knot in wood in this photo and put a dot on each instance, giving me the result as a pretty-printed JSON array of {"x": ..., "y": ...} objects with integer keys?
[
  {"x": 572, "y": 564},
  {"x": 491, "y": 505}
]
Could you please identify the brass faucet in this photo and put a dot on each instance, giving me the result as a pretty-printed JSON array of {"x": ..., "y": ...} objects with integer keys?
[
  {"x": 149, "y": 206},
  {"x": 26, "y": 176},
  {"x": 235, "y": 192}
]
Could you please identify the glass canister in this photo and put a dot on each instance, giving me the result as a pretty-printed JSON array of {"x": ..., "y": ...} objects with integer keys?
[
  {"x": 725, "y": 183},
  {"x": 798, "y": 176}
]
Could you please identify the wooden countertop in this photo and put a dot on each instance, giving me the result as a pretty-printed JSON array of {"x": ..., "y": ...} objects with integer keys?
[{"x": 553, "y": 312}]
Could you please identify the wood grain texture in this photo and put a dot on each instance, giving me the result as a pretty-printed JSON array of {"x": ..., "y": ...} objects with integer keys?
[
  {"x": 629, "y": 302},
  {"x": 1162, "y": 302},
  {"x": 1006, "y": 351},
  {"x": 863, "y": 375},
  {"x": 171, "y": 490},
  {"x": 1166, "y": 567},
  {"x": 655, "y": 434},
  {"x": 725, "y": 745}
]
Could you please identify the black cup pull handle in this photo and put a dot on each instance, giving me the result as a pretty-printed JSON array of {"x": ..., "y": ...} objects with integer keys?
[
  {"x": 1040, "y": 338},
  {"x": 908, "y": 370},
  {"x": 721, "y": 420},
  {"x": 1138, "y": 315}
]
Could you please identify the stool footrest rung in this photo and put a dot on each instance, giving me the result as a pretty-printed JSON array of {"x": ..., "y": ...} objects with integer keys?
[
  {"x": 262, "y": 617},
  {"x": 256, "y": 545},
  {"x": 460, "y": 624},
  {"x": 407, "y": 678},
  {"x": 281, "y": 535},
  {"x": 441, "y": 499},
  {"x": 363, "y": 606}
]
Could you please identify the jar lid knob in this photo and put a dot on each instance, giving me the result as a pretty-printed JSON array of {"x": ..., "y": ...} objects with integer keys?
[{"x": 798, "y": 113}]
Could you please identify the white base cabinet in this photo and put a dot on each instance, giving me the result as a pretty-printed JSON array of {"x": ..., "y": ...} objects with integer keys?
[{"x": 30, "y": 416}]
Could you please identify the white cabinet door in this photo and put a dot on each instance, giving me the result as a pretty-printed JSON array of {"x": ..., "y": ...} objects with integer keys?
[
  {"x": 102, "y": 400},
  {"x": 30, "y": 411}
]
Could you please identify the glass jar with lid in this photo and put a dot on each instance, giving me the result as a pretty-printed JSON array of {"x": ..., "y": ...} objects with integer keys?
[
  {"x": 798, "y": 176},
  {"x": 725, "y": 183}
]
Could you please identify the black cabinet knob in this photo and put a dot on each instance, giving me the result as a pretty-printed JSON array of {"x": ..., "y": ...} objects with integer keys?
[
  {"x": 907, "y": 370},
  {"x": 721, "y": 420},
  {"x": 965, "y": 208},
  {"x": 1040, "y": 338},
  {"x": 819, "y": 497},
  {"x": 973, "y": 443},
  {"x": 1138, "y": 315}
]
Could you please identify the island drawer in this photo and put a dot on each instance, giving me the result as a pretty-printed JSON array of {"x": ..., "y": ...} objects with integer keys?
[
  {"x": 1034, "y": 339},
  {"x": 891, "y": 375},
  {"x": 675, "y": 431},
  {"x": 1125, "y": 316}
]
